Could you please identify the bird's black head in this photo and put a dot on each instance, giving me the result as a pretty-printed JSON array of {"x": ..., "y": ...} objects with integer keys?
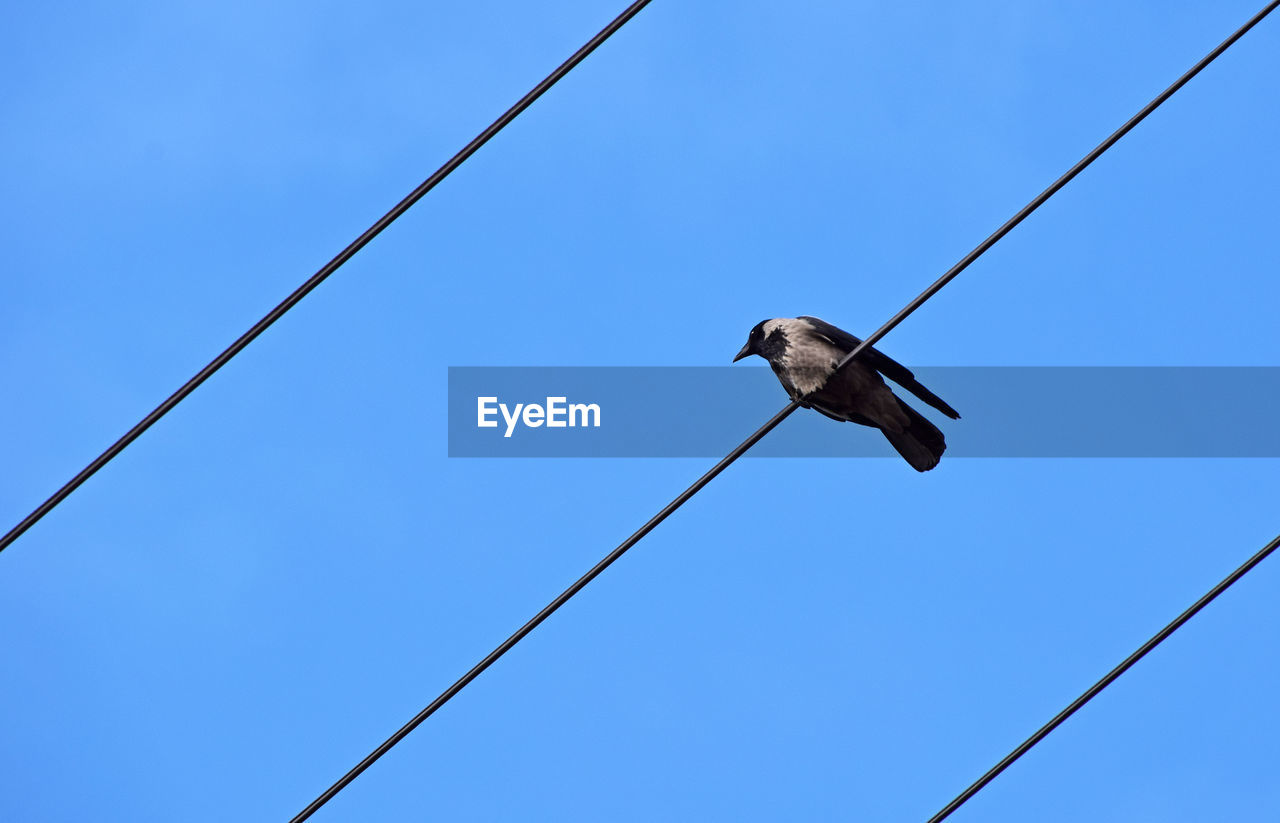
[{"x": 767, "y": 339}]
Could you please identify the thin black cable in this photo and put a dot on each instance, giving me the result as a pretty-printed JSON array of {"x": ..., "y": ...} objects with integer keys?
[
  {"x": 1056, "y": 185},
  {"x": 317, "y": 278},
  {"x": 1105, "y": 681},
  {"x": 758, "y": 435},
  {"x": 546, "y": 612}
]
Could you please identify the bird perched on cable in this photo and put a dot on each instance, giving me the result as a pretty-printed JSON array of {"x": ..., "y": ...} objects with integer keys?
[{"x": 804, "y": 352}]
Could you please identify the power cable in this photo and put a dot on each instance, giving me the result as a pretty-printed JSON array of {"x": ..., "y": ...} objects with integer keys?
[
  {"x": 1056, "y": 185},
  {"x": 1110, "y": 678},
  {"x": 319, "y": 277},
  {"x": 759, "y": 434}
]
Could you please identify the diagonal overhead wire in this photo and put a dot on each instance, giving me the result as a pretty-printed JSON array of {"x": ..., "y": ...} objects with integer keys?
[
  {"x": 1107, "y": 680},
  {"x": 316, "y": 279},
  {"x": 760, "y": 433},
  {"x": 1057, "y": 184}
]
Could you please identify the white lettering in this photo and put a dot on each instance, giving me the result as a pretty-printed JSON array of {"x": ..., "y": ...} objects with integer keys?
[
  {"x": 558, "y": 413},
  {"x": 483, "y": 410},
  {"x": 584, "y": 408},
  {"x": 510, "y": 418},
  {"x": 555, "y": 405}
]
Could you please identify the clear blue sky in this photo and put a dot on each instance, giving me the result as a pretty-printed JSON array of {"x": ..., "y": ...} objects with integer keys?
[{"x": 288, "y": 567}]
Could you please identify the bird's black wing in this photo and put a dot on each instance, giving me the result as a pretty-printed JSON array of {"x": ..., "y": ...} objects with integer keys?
[{"x": 881, "y": 362}]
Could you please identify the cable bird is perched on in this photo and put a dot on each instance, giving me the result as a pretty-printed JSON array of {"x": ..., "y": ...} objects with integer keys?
[{"x": 804, "y": 352}]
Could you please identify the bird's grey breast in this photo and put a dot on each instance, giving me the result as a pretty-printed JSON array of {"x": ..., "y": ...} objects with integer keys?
[{"x": 808, "y": 358}]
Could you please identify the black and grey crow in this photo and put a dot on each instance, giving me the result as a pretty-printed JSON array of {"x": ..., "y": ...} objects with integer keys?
[{"x": 804, "y": 352}]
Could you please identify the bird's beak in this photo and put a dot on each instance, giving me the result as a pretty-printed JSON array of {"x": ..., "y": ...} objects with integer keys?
[{"x": 745, "y": 352}]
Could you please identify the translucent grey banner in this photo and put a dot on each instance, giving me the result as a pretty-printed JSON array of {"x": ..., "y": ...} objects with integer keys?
[{"x": 1007, "y": 411}]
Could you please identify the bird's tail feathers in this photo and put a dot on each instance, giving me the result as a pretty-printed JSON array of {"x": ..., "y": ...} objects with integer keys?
[{"x": 921, "y": 444}]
